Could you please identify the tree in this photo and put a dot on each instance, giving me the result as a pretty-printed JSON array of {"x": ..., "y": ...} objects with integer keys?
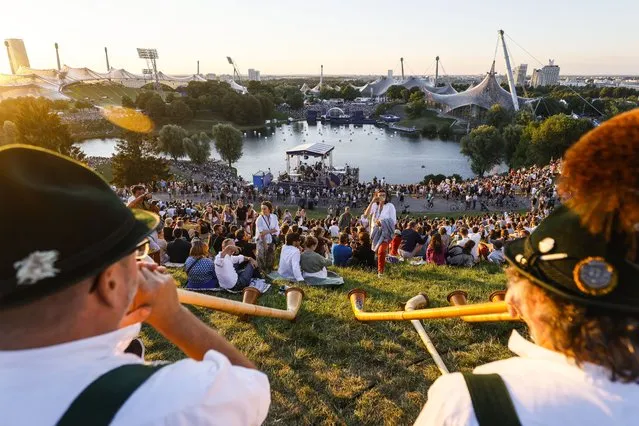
[
  {"x": 444, "y": 132},
  {"x": 37, "y": 125},
  {"x": 128, "y": 102},
  {"x": 429, "y": 131},
  {"x": 142, "y": 98},
  {"x": 484, "y": 147},
  {"x": 179, "y": 112},
  {"x": 155, "y": 107},
  {"x": 512, "y": 134},
  {"x": 198, "y": 148},
  {"x": 555, "y": 135},
  {"x": 268, "y": 108},
  {"x": 170, "y": 97},
  {"x": 497, "y": 116},
  {"x": 295, "y": 100},
  {"x": 135, "y": 161},
  {"x": 8, "y": 133},
  {"x": 228, "y": 142},
  {"x": 349, "y": 93},
  {"x": 395, "y": 92},
  {"x": 171, "y": 141},
  {"x": 416, "y": 109}
]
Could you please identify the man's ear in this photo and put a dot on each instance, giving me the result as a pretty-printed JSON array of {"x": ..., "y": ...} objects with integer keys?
[{"x": 106, "y": 285}]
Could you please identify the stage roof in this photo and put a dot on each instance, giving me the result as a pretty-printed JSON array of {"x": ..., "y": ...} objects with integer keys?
[{"x": 311, "y": 149}]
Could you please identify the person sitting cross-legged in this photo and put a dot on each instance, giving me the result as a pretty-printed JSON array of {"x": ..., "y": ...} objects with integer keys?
[
  {"x": 227, "y": 267},
  {"x": 200, "y": 270},
  {"x": 178, "y": 249},
  {"x": 289, "y": 267},
  {"x": 342, "y": 251},
  {"x": 312, "y": 263},
  {"x": 411, "y": 241}
]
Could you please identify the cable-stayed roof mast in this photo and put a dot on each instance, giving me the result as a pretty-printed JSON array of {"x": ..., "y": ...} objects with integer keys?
[{"x": 509, "y": 71}]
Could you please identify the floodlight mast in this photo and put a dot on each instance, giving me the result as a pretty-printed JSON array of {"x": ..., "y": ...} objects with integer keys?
[
  {"x": 509, "y": 71},
  {"x": 151, "y": 55}
]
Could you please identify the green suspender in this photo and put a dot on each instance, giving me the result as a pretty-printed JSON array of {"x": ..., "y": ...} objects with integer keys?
[
  {"x": 491, "y": 400},
  {"x": 99, "y": 402}
]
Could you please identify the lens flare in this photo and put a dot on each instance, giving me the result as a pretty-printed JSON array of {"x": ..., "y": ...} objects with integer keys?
[{"x": 128, "y": 119}]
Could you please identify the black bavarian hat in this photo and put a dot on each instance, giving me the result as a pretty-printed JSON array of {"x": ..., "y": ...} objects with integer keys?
[
  {"x": 71, "y": 224},
  {"x": 566, "y": 259}
]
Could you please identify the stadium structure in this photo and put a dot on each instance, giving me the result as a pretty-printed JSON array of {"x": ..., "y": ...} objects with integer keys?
[
  {"x": 472, "y": 103},
  {"x": 50, "y": 83}
]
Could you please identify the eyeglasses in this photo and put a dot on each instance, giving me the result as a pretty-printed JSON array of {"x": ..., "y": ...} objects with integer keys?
[{"x": 142, "y": 250}]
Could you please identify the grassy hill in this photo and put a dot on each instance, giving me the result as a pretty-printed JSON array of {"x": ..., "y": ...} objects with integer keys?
[
  {"x": 101, "y": 93},
  {"x": 328, "y": 368}
]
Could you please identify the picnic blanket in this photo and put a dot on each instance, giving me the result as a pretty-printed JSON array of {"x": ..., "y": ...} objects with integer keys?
[{"x": 333, "y": 280}]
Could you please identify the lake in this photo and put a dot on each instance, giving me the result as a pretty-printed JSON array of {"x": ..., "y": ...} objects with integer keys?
[{"x": 376, "y": 151}]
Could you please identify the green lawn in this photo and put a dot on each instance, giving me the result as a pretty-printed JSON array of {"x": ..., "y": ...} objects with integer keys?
[
  {"x": 328, "y": 368},
  {"x": 429, "y": 117},
  {"x": 100, "y": 94}
]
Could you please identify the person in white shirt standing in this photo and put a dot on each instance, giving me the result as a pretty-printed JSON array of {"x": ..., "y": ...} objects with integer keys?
[
  {"x": 290, "y": 258},
  {"x": 577, "y": 292},
  {"x": 70, "y": 306},
  {"x": 227, "y": 263},
  {"x": 266, "y": 231}
]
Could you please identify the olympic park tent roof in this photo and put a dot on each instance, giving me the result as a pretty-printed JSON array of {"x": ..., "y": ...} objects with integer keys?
[
  {"x": 304, "y": 88},
  {"x": 485, "y": 95},
  {"x": 238, "y": 87},
  {"x": 411, "y": 82},
  {"x": 447, "y": 89},
  {"x": 311, "y": 149},
  {"x": 377, "y": 87}
]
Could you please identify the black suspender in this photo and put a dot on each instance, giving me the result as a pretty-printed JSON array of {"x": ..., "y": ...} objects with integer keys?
[
  {"x": 491, "y": 400},
  {"x": 99, "y": 402}
]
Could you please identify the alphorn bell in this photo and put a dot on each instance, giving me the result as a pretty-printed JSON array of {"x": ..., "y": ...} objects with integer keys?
[
  {"x": 357, "y": 298},
  {"x": 249, "y": 296},
  {"x": 294, "y": 296}
]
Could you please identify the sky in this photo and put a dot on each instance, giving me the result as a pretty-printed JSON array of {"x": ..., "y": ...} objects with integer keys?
[{"x": 347, "y": 36}]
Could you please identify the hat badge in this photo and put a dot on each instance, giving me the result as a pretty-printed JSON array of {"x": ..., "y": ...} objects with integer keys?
[
  {"x": 36, "y": 267},
  {"x": 595, "y": 276}
]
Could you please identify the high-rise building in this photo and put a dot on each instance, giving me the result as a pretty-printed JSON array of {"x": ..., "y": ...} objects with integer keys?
[
  {"x": 390, "y": 74},
  {"x": 17, "y": 54},
  {"x": 253, "y": 74},
  {"x": 547, "y": 76},
  {"x": 520, "y": 74}
]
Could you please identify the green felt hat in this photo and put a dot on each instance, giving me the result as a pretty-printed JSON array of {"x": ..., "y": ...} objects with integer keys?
[
  {"x": 61, "y": 223},
  {"x": 564, "y": 258}
]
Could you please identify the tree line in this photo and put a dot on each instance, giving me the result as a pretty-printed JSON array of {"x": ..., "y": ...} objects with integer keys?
[{"x": 520, "y": 141}]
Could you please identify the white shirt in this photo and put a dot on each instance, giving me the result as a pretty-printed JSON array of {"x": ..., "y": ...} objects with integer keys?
[
  {"x": 387, "y": 212},
  {"x": 264, "y": 223},
  {"x": 546, "y": 387},
  {"x": 334, "y": 230},
  {"x": 38, "y": 385},
  {"x": 497, "y": 256},
  {"x": 290, "y": 263},
  {"x": 225, "y": 271}
]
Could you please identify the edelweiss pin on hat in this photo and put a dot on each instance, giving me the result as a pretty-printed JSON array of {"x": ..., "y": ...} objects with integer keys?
[{"x": 61, "y": 223}]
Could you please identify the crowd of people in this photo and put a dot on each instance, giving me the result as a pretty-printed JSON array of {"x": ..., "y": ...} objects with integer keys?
[{"x": 72, "y": 302}]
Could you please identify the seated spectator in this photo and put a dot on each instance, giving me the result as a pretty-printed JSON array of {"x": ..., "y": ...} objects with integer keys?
[
  {"x": 341, "y": 252},
  {"x": 168, "y": 230},
  {"x": 323, "y": 243},
  {"x": 217, "y": 238},
  {"x": 226, "y": 262},
  {"x": 312, "y": 263},
  {"x": 178, "y": 249},
  {"x": 461, "y": 256},
  {"x": 395, "y": 243},
  {"x": 289, "y": 266},
  {"x": 435, "y": 252},
  {"x": 443, "y": 232},
  {"x": 242, "y": 240},
  {"x": 334, "y": 230},
  {"x": 200, "y": 270},
  {"x": 497, "y": 255},
  {"x": 411, "y": 241},
  {"x": 363, "y": 254}
]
